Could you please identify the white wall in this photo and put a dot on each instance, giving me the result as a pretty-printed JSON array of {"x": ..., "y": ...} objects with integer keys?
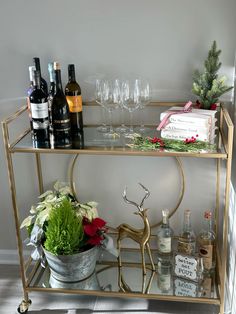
[{"x": 163, "y": 40}]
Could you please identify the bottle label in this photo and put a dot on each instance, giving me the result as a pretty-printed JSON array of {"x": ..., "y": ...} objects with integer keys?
[
  {"x": 39, "y": 111},
  {"x": 75, "y": 103},
  {"x": 206, "y": 252},
  {"x": 40, "y": 125},
  {"x": 164, "y": 245},
  {"x": 164, "y": 282},
  {"x": 186, "y": 247}
]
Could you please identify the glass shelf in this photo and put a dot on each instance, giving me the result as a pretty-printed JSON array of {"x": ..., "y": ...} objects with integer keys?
[
  {"x": 105, "y": 282},
  {"x": 96, "y": 143}
]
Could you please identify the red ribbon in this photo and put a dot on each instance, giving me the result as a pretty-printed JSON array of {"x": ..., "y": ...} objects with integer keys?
[{"x": 163, "y": 123}]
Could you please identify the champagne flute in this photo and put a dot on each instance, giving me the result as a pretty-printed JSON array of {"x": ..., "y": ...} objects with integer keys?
[
  {"x": 145, "y": 99},
  {"x": 98, "y": 98},
  {"x": 131, "y": 99}
]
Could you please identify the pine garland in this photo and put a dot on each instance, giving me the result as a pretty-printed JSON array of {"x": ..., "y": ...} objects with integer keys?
[
  {"x": 207, "y": 85},
  {"x": 189, "y": 145}
]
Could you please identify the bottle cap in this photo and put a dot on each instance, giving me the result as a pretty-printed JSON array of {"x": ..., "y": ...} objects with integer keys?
[
  {"x": 71, "y": 67},
  {"x": 207, "y": 214},
  {"x": 165, "y": 213},
  {"x": 56, "y": 65},
  {"x": 50, "y": 67},
  {"x": 37, "y": 78},
  {"x": 36, "y": 61},
  {"x": 31, "y": 72}
]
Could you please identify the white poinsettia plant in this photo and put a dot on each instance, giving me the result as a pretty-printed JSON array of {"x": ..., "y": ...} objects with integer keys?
[
  {"x": 94, "y": 228},
  {"x": 40, "y": 213}
]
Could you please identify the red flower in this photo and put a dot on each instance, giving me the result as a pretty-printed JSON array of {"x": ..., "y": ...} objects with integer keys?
[
  {"x": 95, "y": 240},
  {"x": 213, "y": 107},
  {"x": 93, "y": 230}
]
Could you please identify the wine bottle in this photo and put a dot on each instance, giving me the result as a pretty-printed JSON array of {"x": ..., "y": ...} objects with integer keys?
[
  {"x": 44, "y": 84},
  {"x": 74, "y": 99},
  {"x": 29, "y": 91},
  {"x": 187, "y": 239},
  {"x": 206, "y": 243},
  {"x": 60, "y": 114},
  {"x": 164, "y": 235},
  {"x": 51, "y": 92},
  {"x": 39, "y": 112}
]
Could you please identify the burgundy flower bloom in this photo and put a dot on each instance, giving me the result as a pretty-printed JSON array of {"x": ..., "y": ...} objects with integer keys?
[
  {"x": 94, "y": 230},
  {"x": 213, "y": 107},
  {"x": 95, "y": 240}
]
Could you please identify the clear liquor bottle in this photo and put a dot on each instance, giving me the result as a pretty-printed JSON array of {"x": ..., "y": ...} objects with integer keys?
[
  {"x": 164, "y": 275},
  {"x": 187, "y": 238},
  {"x": 164, "y": 235},
  {"x": 206, "y": 243}
]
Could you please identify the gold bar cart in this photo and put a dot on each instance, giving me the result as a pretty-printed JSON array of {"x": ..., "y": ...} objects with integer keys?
[{"x": 32, "y": 274}]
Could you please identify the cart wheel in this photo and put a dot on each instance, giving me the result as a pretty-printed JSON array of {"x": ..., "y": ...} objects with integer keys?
[{"x": 24, "y": 306}]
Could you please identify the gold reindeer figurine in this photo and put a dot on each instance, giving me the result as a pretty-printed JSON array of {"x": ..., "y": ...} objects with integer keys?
[{"x": 141, "y": 236}]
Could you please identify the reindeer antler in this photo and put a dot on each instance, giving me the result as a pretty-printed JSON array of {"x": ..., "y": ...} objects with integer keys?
[
  {"x": 147, "y": 194},
  {"x": 140, "y": 207}
]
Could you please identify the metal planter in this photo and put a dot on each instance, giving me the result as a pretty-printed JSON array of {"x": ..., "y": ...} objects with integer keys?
[{"x": 72, "y": 268}]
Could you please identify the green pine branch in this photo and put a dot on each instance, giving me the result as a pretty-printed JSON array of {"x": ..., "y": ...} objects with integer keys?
[{"x": 207, "y": 85}]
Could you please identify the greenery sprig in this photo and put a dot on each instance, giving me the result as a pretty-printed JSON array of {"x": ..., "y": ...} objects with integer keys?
[{"x": 188, "y": 145}]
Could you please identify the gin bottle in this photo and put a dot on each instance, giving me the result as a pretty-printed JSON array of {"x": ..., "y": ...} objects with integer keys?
[
  {"x": 187, "y": 239},
  {"x": 206, "y": 243},
  {"x": 164, "y": 235}
]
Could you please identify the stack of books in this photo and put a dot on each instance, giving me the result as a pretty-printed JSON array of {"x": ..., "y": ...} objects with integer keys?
[{"x": 199, "y": 123}]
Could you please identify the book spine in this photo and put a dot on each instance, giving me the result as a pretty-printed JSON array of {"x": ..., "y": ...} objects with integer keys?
[
  {"x": 185, "y": 118},
  {"x": 171, "y": 134},
  {"x": 187, "y": 127}
]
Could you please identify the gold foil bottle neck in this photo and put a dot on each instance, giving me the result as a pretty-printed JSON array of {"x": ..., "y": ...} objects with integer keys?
[{"x": 56, "y": 65}]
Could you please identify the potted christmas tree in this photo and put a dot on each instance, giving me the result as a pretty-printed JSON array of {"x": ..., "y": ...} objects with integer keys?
[{"x": 207, "y": 85}]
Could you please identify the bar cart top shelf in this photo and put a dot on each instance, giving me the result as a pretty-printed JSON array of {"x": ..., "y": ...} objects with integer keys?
[{"x": 96, "y": 144}]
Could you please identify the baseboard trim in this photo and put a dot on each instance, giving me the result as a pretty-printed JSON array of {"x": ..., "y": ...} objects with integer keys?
[{"x": 10, "y": 257}]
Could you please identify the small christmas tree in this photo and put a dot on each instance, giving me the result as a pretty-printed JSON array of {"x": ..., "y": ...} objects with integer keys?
[{"x": 207, "y": 85}]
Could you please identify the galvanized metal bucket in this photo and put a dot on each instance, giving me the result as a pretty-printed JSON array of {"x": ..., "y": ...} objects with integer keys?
[
  {"x": 72, "y": 268},
  {"x": 90, "y": 283}
]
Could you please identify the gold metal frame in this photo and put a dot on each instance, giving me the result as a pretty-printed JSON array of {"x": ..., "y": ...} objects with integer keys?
[
  {"x": 172, "y": 212},
  {"x": 225, "y": 142}
]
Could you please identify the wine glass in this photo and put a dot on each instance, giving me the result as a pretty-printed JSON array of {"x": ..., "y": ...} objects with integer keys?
[
  {"x": 131, "y": 99},
  {"x": 98, "y": 98},
  {"x": 122, "y": 128},
  {"x": 145, "y": 99},
  {"x": 111, "y": 101}
]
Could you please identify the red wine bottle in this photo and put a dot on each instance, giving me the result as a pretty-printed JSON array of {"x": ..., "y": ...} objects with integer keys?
[
  {"x": 44, "y": 84},
  {"x": 74, "y": 99},
  {"x": 60, "y": 114},
  {"x": 39, "y": 112}
]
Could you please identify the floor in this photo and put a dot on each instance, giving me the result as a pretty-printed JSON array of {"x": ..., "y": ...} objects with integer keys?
[{"x": 11, "y": 296}]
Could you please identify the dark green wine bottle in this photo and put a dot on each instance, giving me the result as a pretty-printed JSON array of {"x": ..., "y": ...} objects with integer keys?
[{"x": 61, "y": 127}]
